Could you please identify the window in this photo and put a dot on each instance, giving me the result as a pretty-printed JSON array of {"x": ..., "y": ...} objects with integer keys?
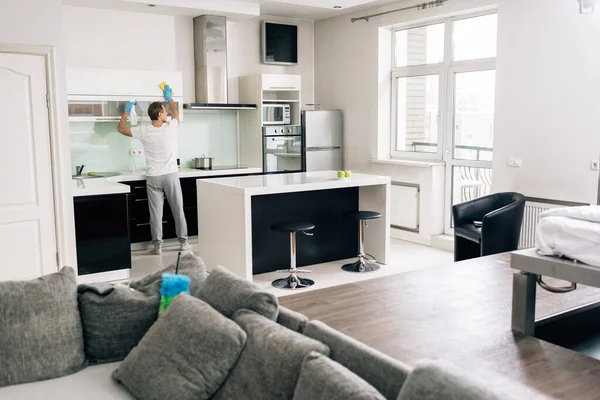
[
  {"x": 423, "y": 45},
  {"x": 443, "y": 83}
]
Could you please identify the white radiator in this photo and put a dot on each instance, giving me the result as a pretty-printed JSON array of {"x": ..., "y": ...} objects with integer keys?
[
  {"x": 405, "y": 206},
  {"x": 531, "y": 217}
]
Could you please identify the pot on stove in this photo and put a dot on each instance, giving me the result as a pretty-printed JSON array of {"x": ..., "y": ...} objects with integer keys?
[{"x": 203, "y": 162}]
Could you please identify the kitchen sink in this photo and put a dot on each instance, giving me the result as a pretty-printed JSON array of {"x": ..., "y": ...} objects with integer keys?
[{"x": 95, "y": 175}]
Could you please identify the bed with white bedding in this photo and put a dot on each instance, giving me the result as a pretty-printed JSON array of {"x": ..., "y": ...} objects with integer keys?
[{"x": 572, "y": 232}]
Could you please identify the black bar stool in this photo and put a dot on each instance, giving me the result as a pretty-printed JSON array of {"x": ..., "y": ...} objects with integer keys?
[
  {"x": 293, "y": 281},
  {"x": 362, "y": 265}
]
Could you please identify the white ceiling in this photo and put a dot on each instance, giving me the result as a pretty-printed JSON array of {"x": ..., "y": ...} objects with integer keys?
[
  {"x": 314, "y": 9},
  {"x": 303, "y": 9}
]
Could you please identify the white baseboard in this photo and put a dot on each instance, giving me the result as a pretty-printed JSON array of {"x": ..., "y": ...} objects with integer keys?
[
  {"x": 110, "y": 276},
  {"x": 443, "y": 242},
  {"x": 410, "y": 237}
]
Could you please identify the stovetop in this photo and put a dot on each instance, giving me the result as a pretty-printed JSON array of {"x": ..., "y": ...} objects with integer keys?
[{"x": 222, "y": 168}]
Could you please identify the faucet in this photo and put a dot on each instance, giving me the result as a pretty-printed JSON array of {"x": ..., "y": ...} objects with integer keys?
[{"x": 79, "y": 169}]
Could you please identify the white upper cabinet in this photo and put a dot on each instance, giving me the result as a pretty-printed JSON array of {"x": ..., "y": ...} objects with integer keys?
[
  {"x": 101, "y": 95},
  {"x": 281, "y": 82},
  {"x": 100, "y": 82}
]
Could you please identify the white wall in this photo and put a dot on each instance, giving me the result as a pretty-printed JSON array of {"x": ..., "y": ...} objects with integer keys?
[
  {"x": 34, "y": 22},
  {"x": 107, "y": 39},
  {"x": 348, "y": 77},
  {"x": 548, "y": 99},
  {"x": 30, "y": 22}
]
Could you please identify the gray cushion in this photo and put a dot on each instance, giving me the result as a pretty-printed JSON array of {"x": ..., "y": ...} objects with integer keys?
[
  {"x": 227, "y": 293},
  {"x": 291, "y": 319},
  {"x": 116, "y": 317},
  {"x": 187, "y": 354},
  {"x": 270, "y": 364},
  {"x": 380, "y": 370},
  {"x": 322, "y": 378},
  {"x": 189, "y": 265},
  {"x": 437, "y": 380},
  {"x": 40, "y": 329}
]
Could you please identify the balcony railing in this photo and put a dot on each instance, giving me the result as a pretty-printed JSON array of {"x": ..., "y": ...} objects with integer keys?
[
  {"x": 474, "y": 182},
  {"x": 469, "y": 182},
  {"x": 480, "y": 152}
]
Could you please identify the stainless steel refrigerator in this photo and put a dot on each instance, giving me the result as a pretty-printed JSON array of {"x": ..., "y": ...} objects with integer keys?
[{"x": 324, "y": 139}]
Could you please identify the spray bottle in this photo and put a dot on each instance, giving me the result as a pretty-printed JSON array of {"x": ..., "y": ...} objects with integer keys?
[{"x": 133, "y": 116}]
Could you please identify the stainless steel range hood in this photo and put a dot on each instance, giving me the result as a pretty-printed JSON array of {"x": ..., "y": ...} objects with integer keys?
[{"x": 210, "y": 58}]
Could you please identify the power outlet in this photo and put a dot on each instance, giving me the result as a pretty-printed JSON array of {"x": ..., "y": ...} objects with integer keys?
[
  {"x": 135, "y": 152},
  {"x": 595, "y": 165},
  {"x": 514, "y": 162}
]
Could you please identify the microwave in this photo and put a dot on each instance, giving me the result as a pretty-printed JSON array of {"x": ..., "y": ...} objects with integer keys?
[{"x": 276, "y": 114}]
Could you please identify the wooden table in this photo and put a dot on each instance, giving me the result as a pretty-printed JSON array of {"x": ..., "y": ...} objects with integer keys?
[{"x": 460, "y": 312}]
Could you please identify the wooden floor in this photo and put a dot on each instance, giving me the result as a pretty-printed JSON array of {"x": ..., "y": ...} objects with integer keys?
[{"x": 462, "y": 313}]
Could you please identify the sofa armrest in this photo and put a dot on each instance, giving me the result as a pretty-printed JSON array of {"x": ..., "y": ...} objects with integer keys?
[
  {"x": 291, "y": 319},
  {"x": 501, "y": 228},
  {"x": 473, "y": 210}
]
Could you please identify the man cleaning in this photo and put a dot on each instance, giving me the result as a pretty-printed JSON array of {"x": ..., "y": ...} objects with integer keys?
[{"x": 159, "y": 141}]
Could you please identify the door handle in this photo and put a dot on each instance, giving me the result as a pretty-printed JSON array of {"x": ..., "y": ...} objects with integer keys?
[
  {"x": 148, "y": 223},
  {"x": 446, "y": 155}
]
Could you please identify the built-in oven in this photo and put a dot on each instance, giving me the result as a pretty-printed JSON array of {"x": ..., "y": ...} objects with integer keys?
[
  {"x": 283, "y": 149},
  {"x": 276, "y": 114}
]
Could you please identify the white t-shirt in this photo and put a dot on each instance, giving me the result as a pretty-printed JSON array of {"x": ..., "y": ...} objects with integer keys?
[{"x": 160, "y": 147}]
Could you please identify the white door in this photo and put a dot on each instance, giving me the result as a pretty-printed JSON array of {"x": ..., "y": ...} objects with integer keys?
[
  {"x": 469, "y": 159},
  {"x": 27, "y": 230}
]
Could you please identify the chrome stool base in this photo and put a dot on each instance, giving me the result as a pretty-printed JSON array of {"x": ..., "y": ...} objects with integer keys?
[
  {"x": 361, "y": 267},
  {"x": 292, "y": 282},
  {"x": 364, "y": 263}
]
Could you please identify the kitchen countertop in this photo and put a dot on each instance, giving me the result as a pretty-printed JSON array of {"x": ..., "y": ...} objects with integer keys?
[
  {"x": 97, "y": 186},
  {"x": 100, "y": 186},
  {"x": 189, "y": 173},
  {"x": 294, "y": 182}
]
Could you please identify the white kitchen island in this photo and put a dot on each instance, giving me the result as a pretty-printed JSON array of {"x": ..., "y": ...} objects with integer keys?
[{"x": 235, "y": 215}]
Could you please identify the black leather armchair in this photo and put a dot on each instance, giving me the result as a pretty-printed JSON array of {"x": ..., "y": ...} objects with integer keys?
[{"x": 487, "y": 225}]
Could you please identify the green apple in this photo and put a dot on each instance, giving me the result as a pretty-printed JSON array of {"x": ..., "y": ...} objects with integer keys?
[
  {"x": 341, "y": 174},
  {"x": 347, "y": 174}
]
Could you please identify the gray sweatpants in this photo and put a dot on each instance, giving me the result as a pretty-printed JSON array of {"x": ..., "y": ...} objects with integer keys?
[{"x": 170, "y": 186}]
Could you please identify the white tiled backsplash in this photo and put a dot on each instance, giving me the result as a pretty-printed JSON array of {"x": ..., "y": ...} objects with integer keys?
[{"x": 101, "y": 148}]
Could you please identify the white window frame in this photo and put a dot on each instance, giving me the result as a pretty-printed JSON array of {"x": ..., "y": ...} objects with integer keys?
[{"x": 445, "y": 70}]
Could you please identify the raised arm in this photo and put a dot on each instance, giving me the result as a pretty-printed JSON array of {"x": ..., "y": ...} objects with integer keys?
[
  {"x": 122, "y": 128},
  {"x": 168, "y": 92},
  {"x": 174, "y": 110}
]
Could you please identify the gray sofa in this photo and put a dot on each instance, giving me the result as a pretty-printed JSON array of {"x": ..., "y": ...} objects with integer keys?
[{"x": 105, "y": 341}]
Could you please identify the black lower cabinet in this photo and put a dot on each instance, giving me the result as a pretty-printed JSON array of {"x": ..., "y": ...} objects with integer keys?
[
  {"x": 139, "y": 214},
  {"x": 102, "y": 233}
]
